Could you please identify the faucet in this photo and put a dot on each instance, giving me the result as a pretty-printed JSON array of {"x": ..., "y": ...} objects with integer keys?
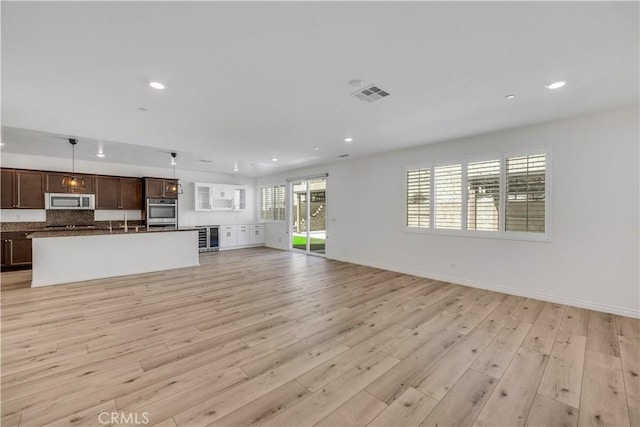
[{"x": 110, "y": 228}]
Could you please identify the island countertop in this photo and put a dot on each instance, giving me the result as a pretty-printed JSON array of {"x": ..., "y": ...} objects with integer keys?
[{"x": 103, "y": 232}]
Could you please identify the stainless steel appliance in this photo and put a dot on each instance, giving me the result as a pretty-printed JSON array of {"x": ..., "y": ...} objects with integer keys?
[
  {"x": 57, "y": 201},
  {"x": 208, "y": 238},
  {"x": 162, "y": 213}
]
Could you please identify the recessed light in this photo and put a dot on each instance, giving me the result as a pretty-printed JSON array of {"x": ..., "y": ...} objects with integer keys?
[
  {"x": 348, "y": 139},
  {"x": 316, "y": 148},
  {"x": 144, "y": 110},
  {"x": 555, "y": 85},
  {"x": 101, "y": 155},
  {"x": 510, "y": 96},
  {"x": 156, "y": 85},
  {"x": 274, "y": 159},
  {"x": 356, "y": 83}
]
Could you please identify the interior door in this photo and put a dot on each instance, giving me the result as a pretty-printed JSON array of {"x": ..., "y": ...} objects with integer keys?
[{"x": 308, "y": 216}]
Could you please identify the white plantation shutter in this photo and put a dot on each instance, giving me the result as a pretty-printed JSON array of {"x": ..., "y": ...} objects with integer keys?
[
  {"x": 526, "y": 193},
  {"x": 483, "y": 195},
  {"x": 279, "y": 202},
  {"x": 418, "y": 198},
  {"x": 448, "y": 197},
  {"x": 263, "y": 202},
  {"x": 272, "y": 203}
]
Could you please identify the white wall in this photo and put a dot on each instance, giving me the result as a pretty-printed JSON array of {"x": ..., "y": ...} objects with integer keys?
[
  {"x": 592, "y": 259},
  {"x": 186, "y": 214}
]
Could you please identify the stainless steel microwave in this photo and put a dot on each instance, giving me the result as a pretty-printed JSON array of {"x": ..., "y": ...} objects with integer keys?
[{"x": 69, "y": 201}]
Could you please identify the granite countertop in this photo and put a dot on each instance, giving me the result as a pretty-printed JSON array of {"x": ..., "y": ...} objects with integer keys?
[
  {"x": 103, "y": 232},
  {"x": 10, "y": 227}
]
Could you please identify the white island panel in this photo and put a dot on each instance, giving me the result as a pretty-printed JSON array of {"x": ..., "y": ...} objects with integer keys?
[{"x": 76, "y": 258}]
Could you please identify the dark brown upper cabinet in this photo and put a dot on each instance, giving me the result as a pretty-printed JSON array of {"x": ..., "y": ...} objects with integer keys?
[
  {"x": 22, "y": 189},
  {"x": 155, "y": 188},
  {"x": 114, "y": 192},
  {"x": 54, "y": 183},
  {"x": 131, "y": 193}
]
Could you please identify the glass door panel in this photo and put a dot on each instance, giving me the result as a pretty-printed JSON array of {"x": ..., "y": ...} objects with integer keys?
[
  {"x": 317, "y": 219},
  {"x": 299, "y": 216}
]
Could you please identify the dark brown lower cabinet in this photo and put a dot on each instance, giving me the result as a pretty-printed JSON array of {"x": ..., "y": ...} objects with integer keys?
[{"x": 15, "y": 249}]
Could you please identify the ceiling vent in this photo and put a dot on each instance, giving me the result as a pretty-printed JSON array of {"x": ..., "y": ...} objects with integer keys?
[{"x": 370, "y": 93}]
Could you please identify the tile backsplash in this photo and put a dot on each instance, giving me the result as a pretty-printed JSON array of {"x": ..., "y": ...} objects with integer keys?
[{"x": 70, "y": 217}]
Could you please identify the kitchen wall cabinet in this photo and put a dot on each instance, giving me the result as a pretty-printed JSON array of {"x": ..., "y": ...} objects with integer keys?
[
  {"x": 219, "y": 197},
  {"x": 155, "y": 188},
  {"x": 239, "y": 199},
  {"x": 53, "y": 182},
  {"x": 15, "y": 249},
  {"x": 131, "y": 194},
  {"x": 114, "y": 193},
  {"x": 202, "y": 197},
  {"x": 22, "y": 189}
]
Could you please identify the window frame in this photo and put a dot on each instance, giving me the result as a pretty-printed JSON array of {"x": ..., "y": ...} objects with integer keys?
[{"x": 501, "y": 233}]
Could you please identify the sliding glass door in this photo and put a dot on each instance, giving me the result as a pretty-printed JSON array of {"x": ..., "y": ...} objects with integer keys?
[{"x": 308, "y": 219}]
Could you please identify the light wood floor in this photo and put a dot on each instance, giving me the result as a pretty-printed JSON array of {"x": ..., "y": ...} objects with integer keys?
[{"x": 265, "y": 337}]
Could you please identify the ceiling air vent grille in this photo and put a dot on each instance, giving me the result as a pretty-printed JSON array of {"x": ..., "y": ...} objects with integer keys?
[{"x": 370, "y": 93}]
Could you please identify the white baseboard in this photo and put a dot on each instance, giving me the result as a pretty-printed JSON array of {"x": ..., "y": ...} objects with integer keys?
[{"x": 622, "y": 311}]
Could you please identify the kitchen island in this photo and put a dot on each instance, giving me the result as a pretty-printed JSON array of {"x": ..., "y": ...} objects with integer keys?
[{"x": 73, "y": 256}]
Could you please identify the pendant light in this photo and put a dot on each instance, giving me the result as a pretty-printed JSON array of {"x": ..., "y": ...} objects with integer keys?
[
  {"x": 72, "y": 182},
  {"x": 173, "y": 187}
]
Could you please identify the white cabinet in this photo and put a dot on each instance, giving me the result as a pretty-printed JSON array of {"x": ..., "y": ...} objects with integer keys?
[
  {"x": 243, "y": 235},
  {"x": 256, "y": 234},
  {"x": 202, "y": 195},
  {"x": 228, "y": 236},
  {"x": 219, "y": 197},
  {"x": 240, "y": 199},
  {"x": 223, "y": 197}
]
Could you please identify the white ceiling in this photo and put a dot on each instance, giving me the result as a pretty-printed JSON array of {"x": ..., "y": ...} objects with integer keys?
[{"x": 247, "y": 81}]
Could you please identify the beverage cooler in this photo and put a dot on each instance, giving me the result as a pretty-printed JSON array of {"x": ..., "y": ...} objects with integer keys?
[{"x": 208, "y": 238}]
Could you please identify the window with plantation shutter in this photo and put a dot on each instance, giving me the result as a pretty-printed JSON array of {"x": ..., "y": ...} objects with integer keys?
[
  {"x": 272, "y": 203},
  {"x": 419, "y": 198},
  {"x": 448, "y": 197},
  {"x": 504, "y": 196},
  {"x": 526, "y": 193},
  {"x": 483, "y": 195}
]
